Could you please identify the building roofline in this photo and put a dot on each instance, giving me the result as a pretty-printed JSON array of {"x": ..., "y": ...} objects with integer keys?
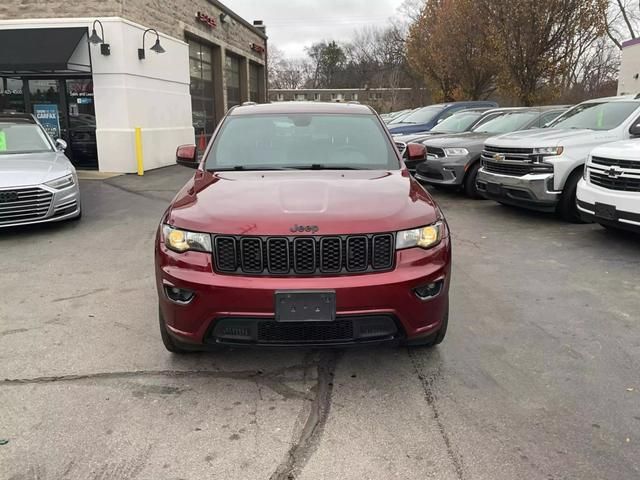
[{"x": 238, "y": 18}]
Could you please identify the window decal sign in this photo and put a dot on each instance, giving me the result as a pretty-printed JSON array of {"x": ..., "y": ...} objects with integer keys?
[{"x": 48, "y": 116}]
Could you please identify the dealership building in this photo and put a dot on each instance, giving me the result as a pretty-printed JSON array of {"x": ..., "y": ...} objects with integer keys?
[
  {"x": 629, "y": 80},
  {"x": 94, "y": 71}
]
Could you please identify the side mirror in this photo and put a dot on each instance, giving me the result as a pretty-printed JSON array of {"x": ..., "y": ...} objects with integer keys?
[
  {"x": 61, "y": 145},
  {"x": 634, "y": 130},
  {"x": 186, "y": 155},
  {"x": 416, "y": 151}
]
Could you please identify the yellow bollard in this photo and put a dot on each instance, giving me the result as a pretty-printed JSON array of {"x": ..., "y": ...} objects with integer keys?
[{"x": 139, "y": 151}]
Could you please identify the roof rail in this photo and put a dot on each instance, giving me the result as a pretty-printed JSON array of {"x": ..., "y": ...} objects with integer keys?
[
  {"x": 246, "y": 104},
  {"x": 353, "y": 102}
]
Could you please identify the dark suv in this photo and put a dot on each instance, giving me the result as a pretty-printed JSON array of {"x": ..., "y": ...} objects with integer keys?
[{"x": 301, "y": 226}]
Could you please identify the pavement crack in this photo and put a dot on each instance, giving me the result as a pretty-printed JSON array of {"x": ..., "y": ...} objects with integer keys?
[
  {"x": 308, "y": 438},
  {"x": 81, "y": 295},
  {"x": 271, "y": 380},
  {"x": 427, "y": 382}
]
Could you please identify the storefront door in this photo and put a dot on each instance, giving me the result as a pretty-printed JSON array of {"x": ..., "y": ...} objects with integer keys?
[{"x": 65, "y": 109}]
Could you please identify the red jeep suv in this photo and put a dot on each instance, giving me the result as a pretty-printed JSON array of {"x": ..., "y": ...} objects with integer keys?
[{"x": 301, "y": 226}]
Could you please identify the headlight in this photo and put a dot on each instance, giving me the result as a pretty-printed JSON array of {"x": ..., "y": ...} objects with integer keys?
[
  {"x": 182, "y": 240},
  {"x": 423, "y": 237},
  {"x": 62, "y": 182},
  {"x": 548, "y": 151},
  {"x": 454, "y": 152}
]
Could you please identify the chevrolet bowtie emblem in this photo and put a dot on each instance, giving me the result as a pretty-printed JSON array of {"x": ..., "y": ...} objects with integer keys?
[
  {"x": 613, "y": 172},
  {"x": 498, "y": 157}
]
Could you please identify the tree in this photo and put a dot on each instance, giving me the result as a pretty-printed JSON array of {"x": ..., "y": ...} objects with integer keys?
[
  {"x": 327, "y": 60},
  {"x": 622, "y": 20},
  {"x": 455, "y": 59},
  {"x": 533, "y": 39},
  {"x": 286, "y": 73}
]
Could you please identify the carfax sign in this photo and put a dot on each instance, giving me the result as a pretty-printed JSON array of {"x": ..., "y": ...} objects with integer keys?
[{"x": 47, "y": 115}]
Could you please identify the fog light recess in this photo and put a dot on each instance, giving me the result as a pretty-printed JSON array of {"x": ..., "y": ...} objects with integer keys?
[
  {"x": 429, "y": 290},
  {"x": 179, "y": 295}
]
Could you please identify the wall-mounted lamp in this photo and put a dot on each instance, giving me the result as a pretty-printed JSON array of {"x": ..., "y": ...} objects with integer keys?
[
  {"x": 156, "y": 46},
  {"x": 105, "y": 48},
  {"x": 636, "y": 76},
  {"x": 224, "y": 18}
]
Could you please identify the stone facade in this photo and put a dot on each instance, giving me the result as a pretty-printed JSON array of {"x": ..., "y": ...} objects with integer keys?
[
  {"x": 381, "y": 99},
  {"x": 177, "y": 19}
]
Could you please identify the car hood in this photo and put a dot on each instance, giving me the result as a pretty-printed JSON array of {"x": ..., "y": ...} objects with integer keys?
[
  {"x": 472, "y": 141},
  {"x": 551, "y": 137},
  {"x": 623, "y": 150},
  {"x": 271, "y": 203},
  {"x": 17, "y": 170}
]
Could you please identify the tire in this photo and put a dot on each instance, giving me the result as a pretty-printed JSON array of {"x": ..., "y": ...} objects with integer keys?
[
  {"x": 435, "y": 339},
  {"x": 470, "y": 187},
  {"x": 567, "y": 208},
  {"x": 168, "y": 341}
]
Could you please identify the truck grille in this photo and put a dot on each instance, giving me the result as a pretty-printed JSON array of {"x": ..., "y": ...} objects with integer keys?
[
  {"x": 516, "y": 170},
  {"x": 23, "y": 205},
  {"x": 610, "y": 162},
  {"x": 509, "y": 151},
  {"x": 304, "y": 255},
  {"x": 625, "y": 184}
]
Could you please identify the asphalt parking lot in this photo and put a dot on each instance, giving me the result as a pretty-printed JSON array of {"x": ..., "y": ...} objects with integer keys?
[{"x": 539, "y": 377}]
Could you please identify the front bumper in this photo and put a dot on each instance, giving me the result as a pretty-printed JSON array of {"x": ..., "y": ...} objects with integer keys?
[
  {"x": 533, "y": 191},
  {"x": 40, "y": 204},
  {"x": 443, "y": 171},
  {"x": 372, "y": 307},
  {"x": 625, "y": 213}
]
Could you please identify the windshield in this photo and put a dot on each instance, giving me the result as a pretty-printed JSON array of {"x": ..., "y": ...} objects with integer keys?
[
  {"x": 509, "y": 122},
  {"x": 596, "y": 116},
  {"x": 423, "y": 115},
  {"x": 302, "y": 141},
  {"x": 457, "y": 123},
  {"x": 398, "y": 118},
  {"x": 22, "y": 138}
]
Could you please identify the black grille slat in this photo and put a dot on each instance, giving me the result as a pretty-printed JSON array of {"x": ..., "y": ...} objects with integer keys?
[
  {"x": 382, "y": 251},
  {"x": 330, "y": 254},
  {"x": 357, "y": 254},
  {"x": 611, "y": 162},
  {"x": 251, "y": 255},
  {"x": 624, "y": 184},
  {"x": 438, "y": 152},
  {"x": 300, "y": 332},
  {"x": 507, "y": 168},
  {"x": 278, "y": 255},
  {"x": 304, "y": 255},
  {"x": 504, "y": 150}
]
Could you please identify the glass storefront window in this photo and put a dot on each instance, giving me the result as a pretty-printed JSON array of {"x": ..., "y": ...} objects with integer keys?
[
  {"x": 82, "y": 122},
  {"x": 254, "y": 82},
  {"x": 11, "y": 95},
  {"x": 201, "y": 88},
  {"x": 233, "y": 80}
]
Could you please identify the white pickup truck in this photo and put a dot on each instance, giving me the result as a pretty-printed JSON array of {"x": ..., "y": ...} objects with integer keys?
[
  {"x": 609, "y": 192},
  {"x": 540, "y": 169}
]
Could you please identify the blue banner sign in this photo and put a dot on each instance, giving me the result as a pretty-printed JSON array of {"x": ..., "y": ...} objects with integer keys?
[{"x": 47, "y": 115}]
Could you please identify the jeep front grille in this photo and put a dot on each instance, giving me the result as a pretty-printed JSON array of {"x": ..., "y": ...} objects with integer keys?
[{"x": 304, "y": 255}]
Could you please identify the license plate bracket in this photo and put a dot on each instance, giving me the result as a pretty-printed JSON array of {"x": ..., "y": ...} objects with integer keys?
[
  {"x": 494, "y": 188},
  {"x": 605, "y": 211},
  {"x": 305, "y": 306}
]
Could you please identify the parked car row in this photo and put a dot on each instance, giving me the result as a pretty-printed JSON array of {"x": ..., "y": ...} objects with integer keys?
[{"x": 550, "y": 159}]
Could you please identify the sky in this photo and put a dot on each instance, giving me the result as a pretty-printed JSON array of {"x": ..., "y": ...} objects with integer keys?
[{"x": 295, "y": 24}]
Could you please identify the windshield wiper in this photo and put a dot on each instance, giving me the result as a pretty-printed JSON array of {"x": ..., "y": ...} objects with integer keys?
[
  {"x": 322, "y": 166},
  {"x": 243, "y": 168}
]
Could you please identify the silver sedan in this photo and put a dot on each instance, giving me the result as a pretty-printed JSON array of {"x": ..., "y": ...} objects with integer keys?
[{"x": 38, "y": 183}]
